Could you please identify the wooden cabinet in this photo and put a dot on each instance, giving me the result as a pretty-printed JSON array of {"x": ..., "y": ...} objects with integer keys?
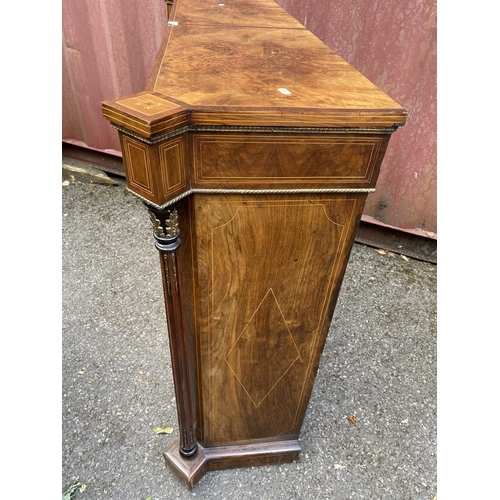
[{"x": 254, "y": 148}]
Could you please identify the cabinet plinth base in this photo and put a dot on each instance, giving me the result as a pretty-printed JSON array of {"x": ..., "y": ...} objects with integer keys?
[{"x": 190, "y": 471}]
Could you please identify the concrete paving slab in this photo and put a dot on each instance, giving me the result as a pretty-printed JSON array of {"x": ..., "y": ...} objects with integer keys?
[{"x": 379, "y": 365}]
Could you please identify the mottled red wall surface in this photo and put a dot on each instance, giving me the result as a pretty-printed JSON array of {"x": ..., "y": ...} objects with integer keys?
[
  {"x": 109, "y": 47},
  {"x": 392, "y": 43},
  {"x": 108, "y": 51}
]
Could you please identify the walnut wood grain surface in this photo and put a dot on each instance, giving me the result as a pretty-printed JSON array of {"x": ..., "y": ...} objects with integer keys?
[
  {"x": 249, "y": 63},
  {"x": 243, "y": 99},
  {"x": 156, "y": 172},
  {"x": 268, "y": 271},
  {"x": 227, "y": 457},
  {"x": 246, "y": 67},
  {"x": 248, "y": 50},
  {"x": 286, "y": 161},
  {"x": 256, "y": 13}
]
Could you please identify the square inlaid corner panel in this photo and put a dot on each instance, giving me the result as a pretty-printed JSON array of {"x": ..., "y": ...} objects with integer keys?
[{"x": 155, "y": 171}]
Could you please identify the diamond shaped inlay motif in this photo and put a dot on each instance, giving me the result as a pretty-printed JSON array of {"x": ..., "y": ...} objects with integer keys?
[{"x": 264, "y": 351}]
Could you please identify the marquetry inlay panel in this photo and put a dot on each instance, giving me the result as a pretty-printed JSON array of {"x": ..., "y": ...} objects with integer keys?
[
  {"x": 172, "y": 156},
  {"x": 264, "y": 341},
  {"x": 137, "y": 160},
  {"x": 327, "y": 161},
  {"x": 268, "y": 269},
  {"x": 147, "y": 104}
]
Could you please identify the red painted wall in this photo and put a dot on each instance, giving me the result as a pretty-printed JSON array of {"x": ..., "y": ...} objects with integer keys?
[
  {"x": 108, "y": 51},
  {"x": 109, "y": 47},
  {"x": 393, "y": 44}
]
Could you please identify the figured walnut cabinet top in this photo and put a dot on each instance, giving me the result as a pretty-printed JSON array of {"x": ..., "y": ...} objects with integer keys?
[{"x": 226, "y": 60}]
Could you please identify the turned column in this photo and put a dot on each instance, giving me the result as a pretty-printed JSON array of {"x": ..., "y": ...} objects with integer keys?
[{"x": 166, "y": 233}]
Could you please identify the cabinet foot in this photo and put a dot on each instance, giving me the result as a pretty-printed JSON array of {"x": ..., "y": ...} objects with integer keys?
[{"x": 190, "y": 471}]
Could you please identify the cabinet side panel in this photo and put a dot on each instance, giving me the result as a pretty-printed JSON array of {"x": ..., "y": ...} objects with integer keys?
[{"x": 269, "y": 272}]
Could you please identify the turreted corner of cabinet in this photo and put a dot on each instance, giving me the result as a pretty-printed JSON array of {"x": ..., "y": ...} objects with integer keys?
[{"x": 153, "y": 138}]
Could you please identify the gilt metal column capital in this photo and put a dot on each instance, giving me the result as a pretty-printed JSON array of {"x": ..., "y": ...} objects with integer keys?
[{"x": 166, "y": 228}]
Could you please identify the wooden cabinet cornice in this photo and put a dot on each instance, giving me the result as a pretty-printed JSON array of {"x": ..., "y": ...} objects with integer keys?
[{"x": 254, "y": 147}]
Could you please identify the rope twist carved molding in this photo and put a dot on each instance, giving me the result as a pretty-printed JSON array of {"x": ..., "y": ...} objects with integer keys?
[{"x": 173, "y": 201}]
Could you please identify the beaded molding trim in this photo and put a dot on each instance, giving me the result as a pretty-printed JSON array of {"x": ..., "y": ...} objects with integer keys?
[
  {"x": 153, "y": 140},
  {"x": 286, "y": 130}
]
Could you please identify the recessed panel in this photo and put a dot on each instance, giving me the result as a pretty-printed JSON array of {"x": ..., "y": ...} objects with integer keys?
[
  {"x": 280, "y": 161},
  {"x": 138, "y": 166},
  {"x": 172, "y": 166},
  {"x": 268, "y": 270}
]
